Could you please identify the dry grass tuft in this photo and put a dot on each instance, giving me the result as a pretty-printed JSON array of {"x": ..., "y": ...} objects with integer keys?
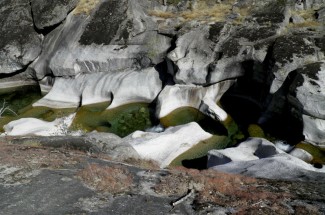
[
  {"x": 308, "y": 15},
  {"x": 107, "y": 179},
  {"x": 202, "y": 11},
  {"x": 33, "y": 156},
  {"x": 85, "y": 6},
  {"x": 142, "y": 163},
  {"x": 162, "y": 14},
  {"x": 223, "y": 189}
]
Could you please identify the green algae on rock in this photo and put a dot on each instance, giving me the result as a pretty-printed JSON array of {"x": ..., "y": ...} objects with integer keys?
[
  {"x": 317, "y": 152},
  {"x": 201, "y": 149},
  {"x": 182, "y": 116},
  {"x": 121, "y": 120}
]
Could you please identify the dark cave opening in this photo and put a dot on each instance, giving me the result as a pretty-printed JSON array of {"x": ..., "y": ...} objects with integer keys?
[{"x": 248, "y": 101}]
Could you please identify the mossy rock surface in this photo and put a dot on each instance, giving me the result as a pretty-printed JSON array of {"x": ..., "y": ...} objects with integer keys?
[
  {"x": 43, "y": 113},
  {"x": 225, "y": 134},
  {"x": 255, "y": 131},
  {"x": 17, "y": 98},
  {"x": 20, "y": 100},
  {"x": 317, "y": 153},
  {"x": 201, "y": 149},
  {"x": 121, "y": 120},
  {"x": 182, "y": 116}
]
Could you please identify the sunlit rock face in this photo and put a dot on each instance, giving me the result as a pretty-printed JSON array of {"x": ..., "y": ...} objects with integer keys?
[
  {"x": 202, "y": 98},
  {"x": 291, "y": 53},
  {"x": 308, "y": 87},
  {"x": 123, "y": 40},
  {"x": 32, "y": 126},
  {"x": 118, "y": 88},
  {"x": 164, "y": 147},
  {"x": 260, "y": 158}
]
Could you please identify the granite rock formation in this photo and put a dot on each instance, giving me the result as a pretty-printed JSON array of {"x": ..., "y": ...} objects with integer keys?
[{"x": 233, "y": 64}]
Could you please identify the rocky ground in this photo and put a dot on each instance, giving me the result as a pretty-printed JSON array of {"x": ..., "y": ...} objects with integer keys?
[{"x": 37, "y": 179}]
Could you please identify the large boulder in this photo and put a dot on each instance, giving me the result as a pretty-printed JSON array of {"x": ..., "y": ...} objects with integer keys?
[
  {"x": 290, "y": 53},
  {"x": 308, "y": 89},
  {"x": 110, "y": 36},
  {"x": 32, "y": 126},
  {"x": 314, "y": 130},
  {"x": 166, "y": 146},
  {"x": 19, "y": 43},
  {"x": 281, "y": 166},
  {"x": 201, "y": 98},
  {"x": 119, "y": 88},
  {"x": 260, "y": 158},
  {"x": 50, "y": 13}
]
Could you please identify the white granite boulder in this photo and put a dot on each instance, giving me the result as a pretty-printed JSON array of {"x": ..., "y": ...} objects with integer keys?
[
  {"x": 164, "y": 147},
  {"x": 19, "y": 44},
  {"x": 32, "y": 126},
  {"x": 119, "y": 88},
  {"x": 202, "y": 98},
  {"x": 260, "y": 158},
  {"x": 109, "y": 36}
]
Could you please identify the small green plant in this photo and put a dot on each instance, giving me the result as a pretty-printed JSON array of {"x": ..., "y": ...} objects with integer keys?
[{"x": 6, "y": 108}]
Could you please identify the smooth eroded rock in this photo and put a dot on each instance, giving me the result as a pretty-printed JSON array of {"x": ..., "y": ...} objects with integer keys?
[{"x": 164, "y": 147}]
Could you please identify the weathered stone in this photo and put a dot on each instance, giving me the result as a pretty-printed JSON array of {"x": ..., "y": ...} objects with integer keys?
[
  {"x": 202, "y": 98},
  {"x": 259, "y": 158},
  {"x": 119, "y": 88},
  {"x": 301, "y": 154},
  {"x": 290, "y": 53},
  {"x": 50, "y": 13},
  {"x": 310, "y": 90},
  {"x": 102, "y": 43},
  {"x": 164, "y": 147},
  {"x": 314, "y": 130},
  {"x": 19, "y": 44}
]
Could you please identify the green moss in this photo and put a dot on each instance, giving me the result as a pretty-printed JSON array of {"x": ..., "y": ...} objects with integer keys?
[
  {"x": 226, "y": 133},
  {"x": 121, "y": 121},
  {"x": 182, "y": 116},
  {"x": 255, "y": 131},
  {"x": 201, "y": 149},
  {"x": 44, "y": 113},
  {"x": 235, "y": 135},
  {"x": 18, "y": 98},
  {"x": 317, "y": 153}
]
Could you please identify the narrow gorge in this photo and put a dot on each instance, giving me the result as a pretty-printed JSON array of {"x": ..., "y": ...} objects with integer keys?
[{"x": 227, "y": 86}]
